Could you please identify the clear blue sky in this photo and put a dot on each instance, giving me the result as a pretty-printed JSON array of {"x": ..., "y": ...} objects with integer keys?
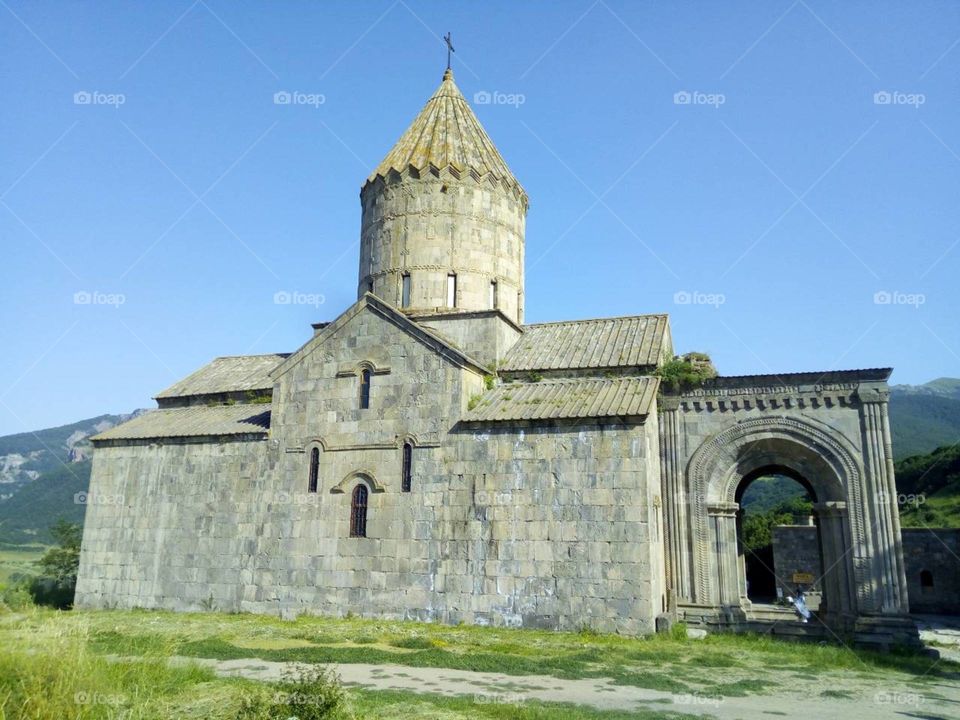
[{"x": 794, "y": 201}]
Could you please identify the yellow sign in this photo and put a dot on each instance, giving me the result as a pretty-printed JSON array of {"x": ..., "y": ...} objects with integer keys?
[{"x": 803, "y": 578}]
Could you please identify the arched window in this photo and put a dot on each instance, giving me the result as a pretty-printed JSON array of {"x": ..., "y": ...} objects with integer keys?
[
  {"x": 314, "y": 470},
  {"x": 358, "y": 512},
  {"x": 405, "y": 290},
  {"x": 926, "y": 581},
  {"x": 406, "y": 480},
  {"x": 364, "y": 389}
]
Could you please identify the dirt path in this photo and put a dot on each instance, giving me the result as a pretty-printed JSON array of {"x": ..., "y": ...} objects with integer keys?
[{"x": 849, "y": 699}]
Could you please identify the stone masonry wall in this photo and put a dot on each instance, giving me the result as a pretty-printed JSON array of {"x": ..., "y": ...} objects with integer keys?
[
  {"x": 795, "y": 550},
  {"x": 934, "y": 550},
  {"x": 437, "y": 224},
  {"x": 174, "y": 525},
  {"x": 546, "y": 526}
]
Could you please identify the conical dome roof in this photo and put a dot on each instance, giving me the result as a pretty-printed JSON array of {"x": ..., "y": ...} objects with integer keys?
[{"x": 447, "y": 133}]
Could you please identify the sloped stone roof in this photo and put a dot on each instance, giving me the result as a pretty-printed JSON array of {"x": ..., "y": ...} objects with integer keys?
[
  {"x": 196, "y": 421},
  {"x": 634, "y": 341},
  {"x": 227, "y": 374},
  {"x": 560, "y": 399},
  {"x": 445, "y": 134}
]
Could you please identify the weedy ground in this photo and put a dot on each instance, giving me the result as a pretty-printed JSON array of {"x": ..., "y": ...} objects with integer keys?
[{"x": 63, "y": 664}]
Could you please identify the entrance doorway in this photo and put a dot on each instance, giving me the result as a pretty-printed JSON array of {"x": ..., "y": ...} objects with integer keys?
[{"x": 778, "y": 537}]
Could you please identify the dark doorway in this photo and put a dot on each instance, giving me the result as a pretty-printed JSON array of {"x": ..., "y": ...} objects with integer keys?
[{"x": 768, "y": 498}]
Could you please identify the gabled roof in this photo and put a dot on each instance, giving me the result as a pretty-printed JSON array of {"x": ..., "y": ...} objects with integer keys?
[
  {"x": 425, "y": 336},
  {"x": 446, "y": 133},
  {"x": 560, "y": 399},
  {"x": 635, "y": 341},
  {"x": 196, "y": 421},
  {"x": 227, "y": 374}
]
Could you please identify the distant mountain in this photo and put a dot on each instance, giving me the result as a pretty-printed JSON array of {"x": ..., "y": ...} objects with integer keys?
[
  {"x": 767, "y": 493},
  {"x": 930, "y": 489},
  {"x": 941, "y": 387},
  {"x": 24, "y": 457},
  {"x": 41, "y": 471},
  {"x": 924, "y": 417},
  {"x": 27, "y": 516}
]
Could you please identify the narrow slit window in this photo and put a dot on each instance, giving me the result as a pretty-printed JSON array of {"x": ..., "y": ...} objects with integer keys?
[
  {"x": 406, "y": 478},
  {"x": 493, "y": 294},
  {"x": 314, "y": 470},
  {"x": 364, "y": 389},
  {"x": 451, "y": 290},
  {"x": 405, "y": 290},
  {"x": 926, "y": 581},
  {"x": 358, "y": 512}
]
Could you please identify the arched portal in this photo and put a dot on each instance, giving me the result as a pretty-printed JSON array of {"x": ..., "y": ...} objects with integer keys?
[{"x": 727, "y": 463}]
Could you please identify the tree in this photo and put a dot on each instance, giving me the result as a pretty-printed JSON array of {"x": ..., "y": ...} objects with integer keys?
[{"x": 57, "y": 581}]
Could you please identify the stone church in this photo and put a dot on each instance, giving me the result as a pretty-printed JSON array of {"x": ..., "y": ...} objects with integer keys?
[{"x": 428, "y": 455}]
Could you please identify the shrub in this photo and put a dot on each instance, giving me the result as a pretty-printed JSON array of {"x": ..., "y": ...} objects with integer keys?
[
  {"x": 685, "y": 372},
  {"x": 16, "y": 597},
  {"x": 311, "y": 693}
]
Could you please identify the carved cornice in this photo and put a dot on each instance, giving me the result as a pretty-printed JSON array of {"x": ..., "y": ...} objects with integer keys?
[
  {"x": 358, "y": 475},
  {"x": 841, "y": 388}
]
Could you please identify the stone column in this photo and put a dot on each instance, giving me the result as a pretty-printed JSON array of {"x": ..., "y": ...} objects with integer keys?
[
  {"x": 673, "y": 489},
  {"x": 723, "y": 525},
  {"x": 881, "y": 501},
  {"x": 839, "y": 594}
]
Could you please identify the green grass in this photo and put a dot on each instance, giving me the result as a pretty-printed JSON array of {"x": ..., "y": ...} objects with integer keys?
[
  {"x": 396, "y": 705},
  {"x": 671, "y": 663},
  {"x": 50, "y": 669},
  {"x": 18, "y": 561},
  {"x": 67, "y": 651}
]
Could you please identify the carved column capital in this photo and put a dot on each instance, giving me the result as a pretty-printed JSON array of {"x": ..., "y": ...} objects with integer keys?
[
  {"x": 871, "y": 392},
  {"x": 668, "y": 403},
  {"x": 831, "y": 508},
  {"x": 723, "y": 509}
]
